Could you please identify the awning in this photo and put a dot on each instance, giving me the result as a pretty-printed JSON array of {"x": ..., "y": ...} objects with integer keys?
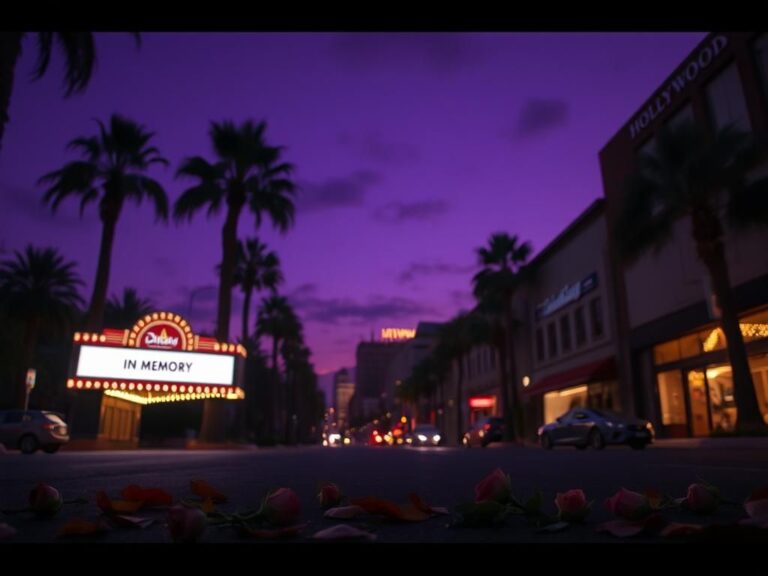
[{"x": 604, "y": 369}]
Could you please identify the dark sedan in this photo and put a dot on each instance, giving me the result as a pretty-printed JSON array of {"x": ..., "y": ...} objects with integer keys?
[
  {"x": 484, "y": 432},
  {"x": 582, "y": 427}
]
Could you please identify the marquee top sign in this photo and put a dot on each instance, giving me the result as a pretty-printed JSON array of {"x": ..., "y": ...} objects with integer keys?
[{"x": 174, "y": 363}]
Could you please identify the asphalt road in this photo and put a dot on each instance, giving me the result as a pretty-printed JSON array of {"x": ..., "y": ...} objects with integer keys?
[{"x": 441, "y": 476}]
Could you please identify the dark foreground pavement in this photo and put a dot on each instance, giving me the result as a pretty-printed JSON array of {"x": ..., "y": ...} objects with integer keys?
[{"x": 441, "y": 476}]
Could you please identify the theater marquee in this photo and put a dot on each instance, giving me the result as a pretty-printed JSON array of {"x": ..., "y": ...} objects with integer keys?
[{"x": 160, "y": 359}]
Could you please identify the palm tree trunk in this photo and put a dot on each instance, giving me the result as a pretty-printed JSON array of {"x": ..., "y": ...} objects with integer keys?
[
  {"x": 459, "y": 402},
  {"x": 213, "y": 428},
  {"x": 10, "y": 50},
  {"x": 229, "y": 251},
  {"x": 509, "y": 421},
  {"x": 277, "y": 416},
  {"x": 246, "y": 311},
  {"x": 748, "y": 419},
  {"x": 515, "y": 409},
  {"x": 95, "y": 318}
]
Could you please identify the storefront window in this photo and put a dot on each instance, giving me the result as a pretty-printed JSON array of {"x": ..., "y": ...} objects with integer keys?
[
  {"x": 722, "y": 404},
  {"x": 697, "y": 395},
  {"x": 596, "y": 314},
  {"x": 758, "y": 365},
  {"x": 725, "y": 98},
  {"x": 672, "y": 398},
  {"x": 580, "y": 325},
  {"x": 539, "y": 344},
  {"x": 558, "y": 403},
  {"x": 565, "y": 332},
  {"x": 754, "y": 326},
  {"x": 552, "y": 339},
  {"x": 666, "y": 352}
]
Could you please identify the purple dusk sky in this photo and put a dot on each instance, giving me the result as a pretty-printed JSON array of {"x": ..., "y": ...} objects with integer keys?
[{"x": 410, "y": 150}]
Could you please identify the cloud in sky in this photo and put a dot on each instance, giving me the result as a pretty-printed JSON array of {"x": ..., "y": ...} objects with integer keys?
[
  {"x": 397, "y": 212},
  {"x": 341, "y": 192}
]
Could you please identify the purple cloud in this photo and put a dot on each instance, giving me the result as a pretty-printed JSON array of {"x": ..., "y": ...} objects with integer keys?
[
  {"x": 539, "y": 115},
  {"x": 344, "y": 192},
  {"x": 396, "y": 212}
]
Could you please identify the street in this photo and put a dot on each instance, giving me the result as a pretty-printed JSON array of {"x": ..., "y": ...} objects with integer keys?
[{"x": 441, "y": 476}]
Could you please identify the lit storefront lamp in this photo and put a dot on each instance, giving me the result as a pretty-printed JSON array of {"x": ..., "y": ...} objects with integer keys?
[{"x": 526, "y": 381}]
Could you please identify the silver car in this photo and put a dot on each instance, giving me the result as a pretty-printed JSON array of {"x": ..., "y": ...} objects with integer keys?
[
  {"x": 32, "y": 429},
  {"x": 582, "y": 427}
]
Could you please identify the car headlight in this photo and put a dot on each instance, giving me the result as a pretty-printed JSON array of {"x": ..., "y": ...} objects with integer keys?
[
  {"x": 422, "y": 438},
  {"x": 609, "y": 424},
  {"x": 436, "y": 438}
]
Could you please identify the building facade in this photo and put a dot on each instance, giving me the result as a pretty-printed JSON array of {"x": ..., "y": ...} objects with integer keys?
[
  {"x": 566, "y": 346},
  {"x": 672, "y": 349},
  {"x": 343, "y": 390}
]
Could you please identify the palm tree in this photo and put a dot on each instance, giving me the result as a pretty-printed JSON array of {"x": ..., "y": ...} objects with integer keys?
[
  {"x": 39, "y": 288},
  {"x": 255, "y": 269},
  {"x": 123, "y": 313},
  {"x": 246, "y": 172},
  {"x": 277, "y": 320},
  {"x": 457, "y": 337},
  {"x": 113, "y": 171},
  {"x": 76, "y": 47},
  {"x": 494, "y": 286},
  {"x": 703, "y": 177}
]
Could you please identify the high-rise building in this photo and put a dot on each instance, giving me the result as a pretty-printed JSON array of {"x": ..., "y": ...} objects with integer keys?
[{"x": 343, "y": 390}]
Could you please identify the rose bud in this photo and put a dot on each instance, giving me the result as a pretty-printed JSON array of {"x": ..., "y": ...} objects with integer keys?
[
  {"x": 572, "y": 506},
  {"x": 629, "y": 505},
  {"x": 497, "y": 487},
  {"x": 281, "y": 507},
  {"x": 329, "y": 496},
  {"x": 45, "y": 500},
  {"x": 702, "y": 498},
  {"x": 186, "y": 524}
]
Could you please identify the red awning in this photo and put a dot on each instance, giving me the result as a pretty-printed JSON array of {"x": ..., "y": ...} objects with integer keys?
[{"x": 604, "y": 369}]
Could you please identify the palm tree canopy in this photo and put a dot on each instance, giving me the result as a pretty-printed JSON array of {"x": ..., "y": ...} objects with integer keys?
[
  {"x": 690, "y": 171},
  {"x": 112, "y": 169},
  {"x": 39, "y": 282},
  {"x": 124, "y": 312},
  {"x": 502, "y": 261},
  {"x": 256, "y": 268},
  {"x": 246, "y": 171},
  {"x": 276, "y": 318}
]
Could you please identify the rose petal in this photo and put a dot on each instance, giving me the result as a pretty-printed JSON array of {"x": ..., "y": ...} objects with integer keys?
[
  {"x": 204, "y": 490},
  {"x": 150, "y": 496},
  {"x": 674, "y": 529},
  {"x": 132, "y": 521},
  {"x": 343, "y": 532},
  {"x": 116, "y": 506},
  {"x": 6, "y": 530},
  {"x": 278, "y": 533},
  {"x": 621, "y": 528},
  {"x": 344, "y": 512},
  {"x": 81, "y": 527}
]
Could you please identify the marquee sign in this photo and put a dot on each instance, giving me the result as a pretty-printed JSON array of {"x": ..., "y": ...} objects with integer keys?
[{"x": 159, "y": 359}]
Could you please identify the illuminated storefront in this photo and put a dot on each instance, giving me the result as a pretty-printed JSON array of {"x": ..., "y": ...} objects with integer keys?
[
  {"x": 671, "y": 347},
  {"x": 158, "y": 360},
  {"x": 694, "y": 381}
]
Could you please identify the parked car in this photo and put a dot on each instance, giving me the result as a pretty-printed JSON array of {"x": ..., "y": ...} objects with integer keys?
[
  {"x": 582, "y": 427},
  {"x": 485, "y": 431},
  {"x": 32, "y": 429},
  {"x": 424, "y": 435}
]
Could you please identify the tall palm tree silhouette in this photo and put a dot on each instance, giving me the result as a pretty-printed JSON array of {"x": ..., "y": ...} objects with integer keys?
[
  {"x": 112, "y": 172},
  {"x": 246, "y": 173}
]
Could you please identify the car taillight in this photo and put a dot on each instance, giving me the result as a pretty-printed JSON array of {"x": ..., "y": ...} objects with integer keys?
[
  {"x": 48, "y": 426},
  {"x": 487, "y": 427}
]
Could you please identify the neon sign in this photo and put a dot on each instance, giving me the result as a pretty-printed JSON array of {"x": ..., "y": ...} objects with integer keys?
[{"x": 397, "y": 333}]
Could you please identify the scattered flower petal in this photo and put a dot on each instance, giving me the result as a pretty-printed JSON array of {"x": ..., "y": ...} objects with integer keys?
[
  {"x": 205, "y": 491},
  {"x": 344, "y": 512},
  {"x": 150, "y": 496},
  {"x": 343, "y": 532},
  {"x": 81, "y": 527}
]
